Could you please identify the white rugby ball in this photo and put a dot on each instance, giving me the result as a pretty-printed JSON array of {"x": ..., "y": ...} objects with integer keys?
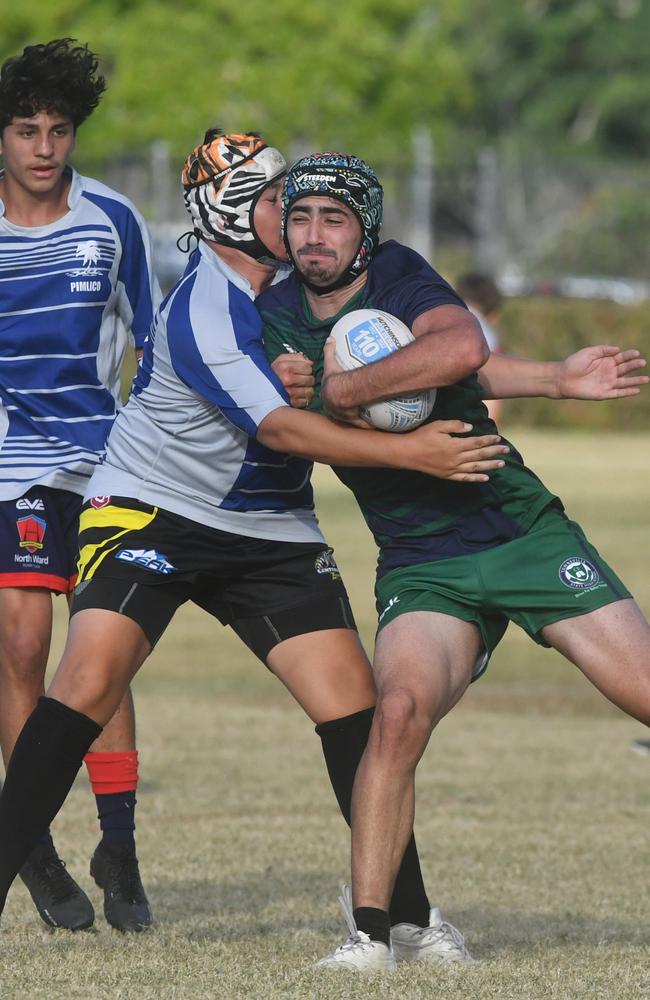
[{"x": 366, "y": 335}]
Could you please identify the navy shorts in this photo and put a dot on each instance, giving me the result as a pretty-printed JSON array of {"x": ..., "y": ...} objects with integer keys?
[{"x": 38, "y": 539}]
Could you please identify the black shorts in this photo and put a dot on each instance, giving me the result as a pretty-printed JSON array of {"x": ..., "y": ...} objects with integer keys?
[
  {"x": 145, "y": 562},
  {"x": 38, "y": 539}
]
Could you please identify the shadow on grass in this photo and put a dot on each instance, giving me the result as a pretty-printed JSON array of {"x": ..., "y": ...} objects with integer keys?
[{"x": 291, "y": 902}]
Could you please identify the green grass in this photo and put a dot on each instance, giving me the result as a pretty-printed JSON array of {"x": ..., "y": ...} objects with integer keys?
[{"x": 533, "y": 814}]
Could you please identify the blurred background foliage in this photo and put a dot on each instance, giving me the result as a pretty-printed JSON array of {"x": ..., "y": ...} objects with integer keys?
[
  {"x": 571, "y": 77},
  {"x": 533, "y": 117}
]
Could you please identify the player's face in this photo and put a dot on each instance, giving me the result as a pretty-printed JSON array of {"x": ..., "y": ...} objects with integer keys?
[
  {"x": 324, "y": 236},
  {"x": 267, "y": 218},
  {"x": 35, "y": 152}
]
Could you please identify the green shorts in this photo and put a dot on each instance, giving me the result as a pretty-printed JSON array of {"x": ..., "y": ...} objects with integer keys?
[{"x": 549, "y": 574}]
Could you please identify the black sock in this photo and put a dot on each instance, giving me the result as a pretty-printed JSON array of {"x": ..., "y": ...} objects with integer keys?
[
  {"x": 375, "y": 923},
  {"x": 344, "y": 741},
  {"x": 45, "y": 761}
]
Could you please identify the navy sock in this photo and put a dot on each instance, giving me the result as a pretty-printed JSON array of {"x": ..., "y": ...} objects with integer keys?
[{"x": 116, "y": 815}]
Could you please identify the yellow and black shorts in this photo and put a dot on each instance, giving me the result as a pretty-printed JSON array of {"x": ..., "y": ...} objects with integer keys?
[{"x": 144, "y": 562}]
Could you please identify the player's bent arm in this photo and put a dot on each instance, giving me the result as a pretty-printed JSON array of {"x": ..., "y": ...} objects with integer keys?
[
  {"x": 430, "y": 449},
  {"x": 599, "y": 372},
  {"x": 449, "y": 346}
]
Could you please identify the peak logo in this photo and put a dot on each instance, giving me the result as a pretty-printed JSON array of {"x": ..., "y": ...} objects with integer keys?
[{"x": 149, "y": 559}]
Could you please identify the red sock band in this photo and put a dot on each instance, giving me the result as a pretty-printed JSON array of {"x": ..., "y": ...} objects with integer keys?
[{"x": 113, "y": 772}]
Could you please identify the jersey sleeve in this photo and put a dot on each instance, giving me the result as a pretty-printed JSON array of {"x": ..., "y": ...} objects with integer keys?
[
  {"x": 137, "y": 286},
  {"x": 215, "y": 342},
  {"x": 407, "y": 286}
]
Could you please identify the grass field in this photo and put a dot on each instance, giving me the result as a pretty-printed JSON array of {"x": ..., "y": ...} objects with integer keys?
[{"x": 533, "y": 813}]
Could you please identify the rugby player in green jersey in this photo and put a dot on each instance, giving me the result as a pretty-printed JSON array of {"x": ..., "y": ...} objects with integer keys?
[{"x": 457, "y": 561}]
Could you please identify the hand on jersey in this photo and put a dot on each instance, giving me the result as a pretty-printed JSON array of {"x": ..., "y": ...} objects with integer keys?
[
  {"x": 600, "y": 372},
  {"x": 463, "y": 459},
  {"x": 295, "y": 372}
]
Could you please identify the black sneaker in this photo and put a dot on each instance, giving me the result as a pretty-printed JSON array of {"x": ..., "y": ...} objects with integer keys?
[
  {"x": 115, "y": 870},
  {"x": 58, "y": 898}
]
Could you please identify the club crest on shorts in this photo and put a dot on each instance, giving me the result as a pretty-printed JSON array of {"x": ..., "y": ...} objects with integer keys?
[
  {"x": 579, "y": 574},
  {"x": 99, "y": 502},
  {"x": 325, "y": 563},
  {"x": 31, "y": 531}
]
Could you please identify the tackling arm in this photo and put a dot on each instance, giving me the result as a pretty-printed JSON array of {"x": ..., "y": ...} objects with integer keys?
[{"x": 430, "y": 449}]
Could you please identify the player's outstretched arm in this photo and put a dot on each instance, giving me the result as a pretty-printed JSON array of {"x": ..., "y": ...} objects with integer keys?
[
  {"x": 430, "y": 449},
  {"x": 599, "y": 372}
]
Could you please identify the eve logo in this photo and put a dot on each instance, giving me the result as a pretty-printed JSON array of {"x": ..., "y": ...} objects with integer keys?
[{"x": 25, "y": 504}]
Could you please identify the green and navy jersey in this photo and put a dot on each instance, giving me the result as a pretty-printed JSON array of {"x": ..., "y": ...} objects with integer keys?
[
  {"x": 73, "y": 293},
  {"x": 414, "y": 518}
]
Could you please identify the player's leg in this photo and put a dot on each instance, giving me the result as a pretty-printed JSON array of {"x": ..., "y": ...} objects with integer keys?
[
  {"x": 26, "y": 617},
  {"x": 103, "y": 651},
  {"x": 33, "y": 566},
  {"x": 326, "y": 671},
  {"x": 611, "y": 646},
  {"x": 423, "y": 664},
  {"x": 557, "y": 586},
  {"x": 313, "y": 647},
  {"x": 25, "y": 631},
  {"x": 329, "y": 675}
]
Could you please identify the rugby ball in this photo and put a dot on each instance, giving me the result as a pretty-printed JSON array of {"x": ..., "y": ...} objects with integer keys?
[{"x": 367, "y": 335}]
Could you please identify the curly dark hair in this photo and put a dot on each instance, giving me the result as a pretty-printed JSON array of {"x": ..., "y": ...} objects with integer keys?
[{"x": 58, "y": 76}]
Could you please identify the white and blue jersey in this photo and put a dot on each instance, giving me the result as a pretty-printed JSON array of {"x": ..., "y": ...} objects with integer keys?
[
  {"x": 72, "y": 295},
  {"x": 186, "y": 440}
]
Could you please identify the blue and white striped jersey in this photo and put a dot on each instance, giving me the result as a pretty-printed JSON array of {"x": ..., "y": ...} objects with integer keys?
[
  {"x": 185, "y": 441},
  {"x": 72, "y": 295}
]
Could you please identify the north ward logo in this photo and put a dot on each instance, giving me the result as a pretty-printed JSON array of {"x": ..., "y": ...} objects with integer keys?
[{"x": 579, "y": 574}]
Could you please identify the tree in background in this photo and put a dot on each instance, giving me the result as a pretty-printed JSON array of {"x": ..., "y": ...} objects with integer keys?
[{"x": 355, "y": 75}]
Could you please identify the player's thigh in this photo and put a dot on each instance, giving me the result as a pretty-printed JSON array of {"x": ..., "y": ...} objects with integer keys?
[
  {"x": 327, "y": 672},
  {"x": 103, "y": 652},
  {"x": 611, "y": 646},
  {"x": 25, "y": 629},
  {"x": 428, "y": 659}
]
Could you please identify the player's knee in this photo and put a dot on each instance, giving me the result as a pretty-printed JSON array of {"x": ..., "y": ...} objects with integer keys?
[
  {"x": 400, "y": 725},
  {"x": 23, "y": 655}
]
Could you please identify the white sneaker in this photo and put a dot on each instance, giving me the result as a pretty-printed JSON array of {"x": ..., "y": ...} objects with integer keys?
[
  {"x": 359, "y": 953},
  {"x": 439, "y": 942}
]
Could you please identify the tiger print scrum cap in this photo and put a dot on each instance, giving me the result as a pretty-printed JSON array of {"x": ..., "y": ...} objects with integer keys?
[{"x": 222, "y": 180}]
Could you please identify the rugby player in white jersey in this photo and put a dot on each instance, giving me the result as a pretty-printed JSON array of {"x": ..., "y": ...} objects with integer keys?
[
  {"x": 76, "y": 283},
  {"x": 191, "y": 503}
]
